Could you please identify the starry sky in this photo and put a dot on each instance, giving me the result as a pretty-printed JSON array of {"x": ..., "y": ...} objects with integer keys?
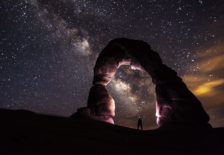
[{"x": 48, "y": 49}]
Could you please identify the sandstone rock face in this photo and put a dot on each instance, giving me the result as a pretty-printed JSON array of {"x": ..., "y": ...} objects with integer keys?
[{"x": 175, "y": 103}]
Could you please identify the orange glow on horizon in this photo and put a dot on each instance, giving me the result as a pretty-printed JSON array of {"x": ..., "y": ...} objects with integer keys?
[{"x": 207, "y": 87}]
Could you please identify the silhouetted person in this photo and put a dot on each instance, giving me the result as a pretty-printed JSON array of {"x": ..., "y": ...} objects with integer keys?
[{"x": 140, "y": 126}]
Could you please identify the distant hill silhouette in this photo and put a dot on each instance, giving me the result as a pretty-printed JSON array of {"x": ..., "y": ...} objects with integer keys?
[{"x": 24, "y": 132}]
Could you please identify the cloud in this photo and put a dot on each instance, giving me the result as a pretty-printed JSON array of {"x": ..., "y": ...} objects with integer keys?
[
  {"x": 209, "y": 75},
  {"x": 208, "y": 88},
  {"x": 215, "y": 63},
  {"x": 211, "y": 59},
  {"x": 207, "y": 83}
]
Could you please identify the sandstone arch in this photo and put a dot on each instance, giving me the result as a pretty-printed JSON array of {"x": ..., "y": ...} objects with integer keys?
[{"x": 175, "y": 103}]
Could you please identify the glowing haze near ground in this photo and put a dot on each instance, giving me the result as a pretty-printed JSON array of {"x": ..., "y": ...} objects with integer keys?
[{"x": 48, "y": 50}]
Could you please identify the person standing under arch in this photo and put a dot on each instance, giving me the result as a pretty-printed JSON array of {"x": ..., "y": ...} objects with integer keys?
[{"x": 140, "y": 125}]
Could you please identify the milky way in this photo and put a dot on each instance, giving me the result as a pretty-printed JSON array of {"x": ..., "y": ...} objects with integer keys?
[{"x": 48, "y": 50}]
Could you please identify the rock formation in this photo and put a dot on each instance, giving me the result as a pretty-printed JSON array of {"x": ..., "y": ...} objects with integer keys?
[{"x": 175, "y": 103}]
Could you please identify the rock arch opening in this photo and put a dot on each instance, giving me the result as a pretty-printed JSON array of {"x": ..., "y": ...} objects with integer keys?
[{"x": 134, "y": 95}]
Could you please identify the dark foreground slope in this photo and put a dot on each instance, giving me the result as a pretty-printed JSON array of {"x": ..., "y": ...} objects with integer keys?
[{"x": 24, "y": 132}]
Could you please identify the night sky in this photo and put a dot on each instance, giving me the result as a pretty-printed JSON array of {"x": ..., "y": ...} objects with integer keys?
[{"x": 48, "y": 49}]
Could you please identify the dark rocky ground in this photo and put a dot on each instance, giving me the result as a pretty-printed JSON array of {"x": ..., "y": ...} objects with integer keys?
[{"x": 24, "y": 132}]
